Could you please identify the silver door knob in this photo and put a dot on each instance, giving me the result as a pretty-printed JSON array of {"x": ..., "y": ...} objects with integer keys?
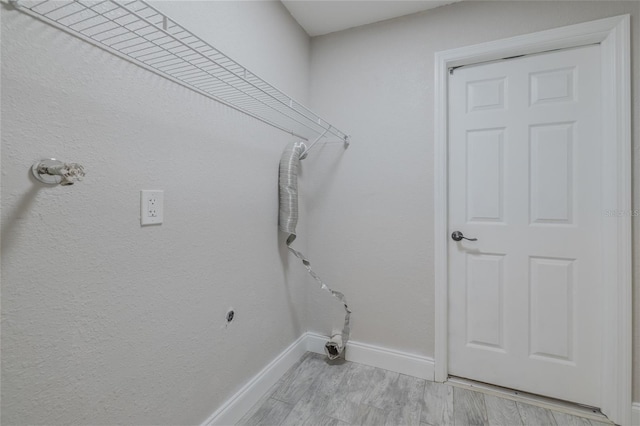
[{"x": 459, "y": 236}]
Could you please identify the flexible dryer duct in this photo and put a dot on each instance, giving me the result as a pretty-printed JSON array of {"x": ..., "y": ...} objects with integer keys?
[{"x": 287, "y": 221}]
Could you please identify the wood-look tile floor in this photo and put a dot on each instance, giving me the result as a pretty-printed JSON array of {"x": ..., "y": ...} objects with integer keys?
[{"x": 314, "y": 392}]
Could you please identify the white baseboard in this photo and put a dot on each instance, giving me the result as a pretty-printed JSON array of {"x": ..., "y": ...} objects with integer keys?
[
  {"x": 635, "y": 414},
  {"x": 239, "y": 404},
  {"x": 376, "y": 356},
  {"x": 401, "y": 362}
]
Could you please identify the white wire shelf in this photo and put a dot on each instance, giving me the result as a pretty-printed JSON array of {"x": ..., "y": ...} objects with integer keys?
[{"x": 138, "y": 32}]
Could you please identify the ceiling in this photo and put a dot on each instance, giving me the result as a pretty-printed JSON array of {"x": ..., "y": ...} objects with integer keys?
[{"x": 326, "y": 16}]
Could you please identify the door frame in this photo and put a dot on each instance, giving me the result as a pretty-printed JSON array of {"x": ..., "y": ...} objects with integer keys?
[{"x": 613, "y": 34}]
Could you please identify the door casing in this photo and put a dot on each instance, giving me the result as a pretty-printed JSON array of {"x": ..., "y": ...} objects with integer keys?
[{"x": 613, "y": 35}]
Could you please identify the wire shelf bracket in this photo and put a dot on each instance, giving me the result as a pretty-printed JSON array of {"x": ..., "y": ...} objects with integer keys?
[{"x": 138, "y": 32}]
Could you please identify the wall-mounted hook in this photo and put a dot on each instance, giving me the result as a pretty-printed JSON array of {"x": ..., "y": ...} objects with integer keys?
[{"x": 53, "y": 172}]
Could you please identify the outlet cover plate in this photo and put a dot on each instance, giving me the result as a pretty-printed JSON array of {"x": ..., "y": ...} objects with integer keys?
[{"x": 151, "y": 207}]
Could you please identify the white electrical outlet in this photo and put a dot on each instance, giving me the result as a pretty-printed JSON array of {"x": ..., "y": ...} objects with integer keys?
[{"x": 151, "y": 207}]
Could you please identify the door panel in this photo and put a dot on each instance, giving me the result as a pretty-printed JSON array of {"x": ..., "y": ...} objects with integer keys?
[
  {"x": 525, "y": 175},
  {"x": 484, "y": 175},
  {"x": 551, "y": 173},
  {"x": 484, "y": 300},
  {"x": 551, "y": 287}
]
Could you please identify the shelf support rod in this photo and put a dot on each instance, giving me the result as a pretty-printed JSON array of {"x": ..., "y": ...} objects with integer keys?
[{"x": 306, "y": 151}]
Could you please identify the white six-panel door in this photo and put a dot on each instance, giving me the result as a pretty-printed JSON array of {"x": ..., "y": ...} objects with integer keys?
[{"x": 525, "y": 180}]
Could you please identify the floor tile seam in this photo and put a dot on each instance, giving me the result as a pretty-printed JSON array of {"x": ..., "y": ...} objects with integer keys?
[{"x": 283, "y": 401}]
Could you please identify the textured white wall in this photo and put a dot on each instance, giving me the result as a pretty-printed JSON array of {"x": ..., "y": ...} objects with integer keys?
[
  {"x": 97, "y": 328},
  {"x": 371, "y": 208},
  {"x": 105, "y": 322}
]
